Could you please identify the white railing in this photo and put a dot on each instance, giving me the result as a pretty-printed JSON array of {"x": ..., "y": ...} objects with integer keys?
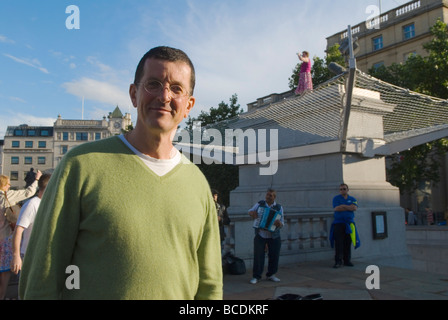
[
  {"x": 355, "y": 30},
  {"x": 408, "y": 8},
  {"x": 301, "y": 233},
  {"x": 376, "y": 22}
]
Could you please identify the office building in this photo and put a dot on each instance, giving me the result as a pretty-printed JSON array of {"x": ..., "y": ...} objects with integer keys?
[{"x": 392, "y": 36}]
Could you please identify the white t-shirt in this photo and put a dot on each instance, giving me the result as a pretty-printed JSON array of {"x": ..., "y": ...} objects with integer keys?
[
  {"x": 158, "y": 166},
  {"x": 26, "y": 220}
]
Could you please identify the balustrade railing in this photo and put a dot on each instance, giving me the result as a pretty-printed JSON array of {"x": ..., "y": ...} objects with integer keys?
[{"x": 301, "y": 233}]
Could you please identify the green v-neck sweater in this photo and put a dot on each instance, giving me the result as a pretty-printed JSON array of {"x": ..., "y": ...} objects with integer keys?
[{"x": 130, "y": 233}]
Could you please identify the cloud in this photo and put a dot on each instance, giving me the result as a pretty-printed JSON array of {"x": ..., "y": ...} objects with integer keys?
[
  {"x": 33, "y": 63},
  {"x": 99, "y": 91},
  {"x": 64, "y": 58},
  {"x": 103, "y": 68},
  {"x": 17, "y": 99},
  {"x": 4, "y": 39}
]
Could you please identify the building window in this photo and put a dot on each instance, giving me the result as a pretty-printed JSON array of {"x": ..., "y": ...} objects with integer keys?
[
  {"x": 408, "y": 31},
  {"x": 44, "y": 133},
  {"x": 378, "y": 65},
  {"x": 64, "y": 149},
  {"x": 406, "y": 56},
  {"x": 82, "y": 136},
  {"x": 41, "y": 160},
  {"x": 18, "y": 132},
  {"x": 31, "y": 132},
  {"x": 28, "y": 160},
  {"x": 14, "y": 176},
  {"x": 14, "y": 160},
  {"x": 65, "y": 136},
  {"x": 15, "y": 144},
  {"x": 28, "y": 144},
  {"x": 377, "y": 43},
  {"x": 97, "y": 135},
  {"x": 42, "y": 144}
]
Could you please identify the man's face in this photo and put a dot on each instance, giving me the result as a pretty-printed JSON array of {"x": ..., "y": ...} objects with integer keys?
[
  {"x": 161, "y": 112},
  {"x": 343, "y": 190},
  {"x": 270, "y": 197}
]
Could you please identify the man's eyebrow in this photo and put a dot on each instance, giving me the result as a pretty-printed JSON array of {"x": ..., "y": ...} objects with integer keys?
[{"x": 161, "y": 81}]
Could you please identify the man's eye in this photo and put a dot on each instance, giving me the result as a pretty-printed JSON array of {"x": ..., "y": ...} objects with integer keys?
[
  {"x": 153, "y": 85},
  {"x": 176, "y": 89}
]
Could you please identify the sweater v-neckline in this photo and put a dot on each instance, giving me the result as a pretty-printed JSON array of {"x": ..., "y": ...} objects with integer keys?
[{"x": 151, "y": 172}]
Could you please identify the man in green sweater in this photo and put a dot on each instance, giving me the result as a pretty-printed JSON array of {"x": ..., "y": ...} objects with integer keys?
[{"x": 129, "y": 217}]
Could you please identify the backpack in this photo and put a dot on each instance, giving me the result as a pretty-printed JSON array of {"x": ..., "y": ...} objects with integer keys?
[{"x": 234, "y": 264}]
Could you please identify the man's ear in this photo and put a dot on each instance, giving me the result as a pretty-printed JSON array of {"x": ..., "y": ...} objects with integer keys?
[
  {"x": 190, "y": 105},
  {"x": 133, "y": 94}
]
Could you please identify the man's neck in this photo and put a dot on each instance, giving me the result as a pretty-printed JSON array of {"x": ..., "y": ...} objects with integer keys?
[{"x": 155, "y": 146}]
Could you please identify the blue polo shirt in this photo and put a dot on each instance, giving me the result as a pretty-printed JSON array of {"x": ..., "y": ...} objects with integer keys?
[{"x": 344, "y": 216}]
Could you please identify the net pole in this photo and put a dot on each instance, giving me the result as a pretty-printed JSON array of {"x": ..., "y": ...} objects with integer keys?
[{"x": 348, "y": 90}]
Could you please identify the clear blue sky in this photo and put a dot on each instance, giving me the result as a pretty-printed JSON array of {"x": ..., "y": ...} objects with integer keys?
[{"x": 247, "y": 47}]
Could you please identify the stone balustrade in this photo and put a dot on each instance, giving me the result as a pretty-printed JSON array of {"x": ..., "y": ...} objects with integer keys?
[{"x": 301, "y": 233}]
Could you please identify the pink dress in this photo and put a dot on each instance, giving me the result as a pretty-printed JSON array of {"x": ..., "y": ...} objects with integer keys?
[{"x": 305, "y": 80}]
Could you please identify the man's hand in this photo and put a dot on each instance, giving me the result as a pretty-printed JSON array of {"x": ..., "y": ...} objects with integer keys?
[
  {"x": 253, "y": 214},
  {"x": 344, "y": 207},
  {"x": 278, "y": 223},
  {"x": 16, "y": 264}
]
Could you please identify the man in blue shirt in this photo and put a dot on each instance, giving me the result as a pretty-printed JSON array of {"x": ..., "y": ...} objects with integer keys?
[{"x": 344, "y": 214}]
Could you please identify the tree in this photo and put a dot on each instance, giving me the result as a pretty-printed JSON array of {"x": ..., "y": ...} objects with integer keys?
[
  {"x": 427, "y": 75},
  {"x": 222, "y": 177},
  {"x": 319, "y": 68},
  {"x": 224, "y": 111},
  {"x": 128, "y": 128},
  {"x": 421, "y": 163},
  {"x": 438, "y": 61}
]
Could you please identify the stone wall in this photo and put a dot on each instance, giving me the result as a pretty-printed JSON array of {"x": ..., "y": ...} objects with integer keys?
[{"x": 428, "y": 246}]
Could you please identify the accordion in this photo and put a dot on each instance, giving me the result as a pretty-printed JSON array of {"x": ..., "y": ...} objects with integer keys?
[{"x": 266, "y": 218}]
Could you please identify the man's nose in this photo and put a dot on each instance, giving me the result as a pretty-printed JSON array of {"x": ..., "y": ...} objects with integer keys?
[{"x": 165, "y": 94}]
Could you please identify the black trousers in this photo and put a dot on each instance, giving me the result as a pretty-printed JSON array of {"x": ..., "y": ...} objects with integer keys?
[
  {"x": 274, "y": 246},
  {"x": 342, "y": 244}
]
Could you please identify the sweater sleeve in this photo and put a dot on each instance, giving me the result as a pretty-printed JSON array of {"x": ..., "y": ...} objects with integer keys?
[
  {"x": 53, "y": 238},
  {"x": 209, "y": 256}
]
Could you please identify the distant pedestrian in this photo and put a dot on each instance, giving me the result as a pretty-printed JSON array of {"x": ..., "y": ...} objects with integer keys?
[
  {"x": 429, "y": 216},
  {"x": 223, "y": 218},
  {"x": 412, "y": 219},
  {"x": 30, "y": 177},
  {"x": 25, "y": 223},
  {"x": 305, "y": 80},
  {"x": 8, "y": 199}
]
